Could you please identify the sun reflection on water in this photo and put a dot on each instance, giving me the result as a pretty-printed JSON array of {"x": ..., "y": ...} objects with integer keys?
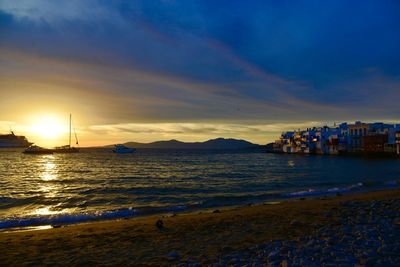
[
  {"x": 50, "y": 171},
  {"x": 46, "y": 211}
]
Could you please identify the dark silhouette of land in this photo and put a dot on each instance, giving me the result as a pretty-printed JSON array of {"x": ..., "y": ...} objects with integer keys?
[{"x": 218, "y": 143}]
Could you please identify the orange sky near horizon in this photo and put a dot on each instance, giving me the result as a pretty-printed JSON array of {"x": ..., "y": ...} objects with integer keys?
[{"x": 52, "y": 129}]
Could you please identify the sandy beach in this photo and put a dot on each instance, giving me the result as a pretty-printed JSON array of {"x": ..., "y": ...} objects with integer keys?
[{"x": 206, "y": 237}]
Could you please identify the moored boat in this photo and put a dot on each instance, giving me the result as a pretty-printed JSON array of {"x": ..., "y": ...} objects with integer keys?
[
  {"x": 13, "y": 141},
  {"x": 37, "y": 150},
  {"x": 66, "y": 149},
  {"x": 121, "y": 149}
]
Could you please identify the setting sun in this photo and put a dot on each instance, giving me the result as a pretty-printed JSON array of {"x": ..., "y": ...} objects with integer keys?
[{"x": 46, "y": 127}]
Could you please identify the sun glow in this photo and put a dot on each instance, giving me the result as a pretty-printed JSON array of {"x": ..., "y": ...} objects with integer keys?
[{"x": 48, "y": 128}]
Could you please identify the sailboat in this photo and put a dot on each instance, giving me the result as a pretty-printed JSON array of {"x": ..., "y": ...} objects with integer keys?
[{"x": 68, "y": 148}]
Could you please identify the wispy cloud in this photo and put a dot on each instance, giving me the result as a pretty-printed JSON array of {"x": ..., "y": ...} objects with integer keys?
[
  {"x": 200, "y": 62},
  {"x": 190, "y": 128},
  {"x": 260, "y": 133},
  {"x": 40, "y": 11},
  {"x": 150, "y": 96}
]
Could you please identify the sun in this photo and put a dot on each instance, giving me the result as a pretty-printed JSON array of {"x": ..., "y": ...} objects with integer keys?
[{"x": 48, "y": 127}]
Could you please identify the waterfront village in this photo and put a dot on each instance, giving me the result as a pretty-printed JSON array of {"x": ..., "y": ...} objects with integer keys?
[{"x": 359, "y": 138}]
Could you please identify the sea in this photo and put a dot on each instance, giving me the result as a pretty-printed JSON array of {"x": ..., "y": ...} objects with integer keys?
[{"x": 96, "y": 184}]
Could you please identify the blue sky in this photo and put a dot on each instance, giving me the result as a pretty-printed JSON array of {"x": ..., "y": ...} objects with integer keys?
[{"x": 231, "y": 63}]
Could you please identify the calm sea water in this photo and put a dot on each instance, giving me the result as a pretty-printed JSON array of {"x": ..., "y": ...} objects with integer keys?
[{"x": 97, "y": 184}]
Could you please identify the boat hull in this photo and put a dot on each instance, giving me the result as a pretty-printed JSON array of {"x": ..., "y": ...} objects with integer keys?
[
  {"x": 42, "y": 152},
  {"x": 13, "y": 141},
  {"x": 66, "y": 150}
]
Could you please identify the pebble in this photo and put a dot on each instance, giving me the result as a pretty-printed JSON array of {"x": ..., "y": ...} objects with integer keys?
[
  {"x": 295, "y": 223},
  {"x": 173, "y": 255},
  {"x": 160, "y": 224},
  {"x": 368, "y": 235}
]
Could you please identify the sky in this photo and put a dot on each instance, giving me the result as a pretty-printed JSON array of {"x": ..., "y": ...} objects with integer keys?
[{"x": 194, "y": 70}]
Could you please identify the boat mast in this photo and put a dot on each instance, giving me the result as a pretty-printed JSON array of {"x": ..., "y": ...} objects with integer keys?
[{"x": 69, "y": 130}]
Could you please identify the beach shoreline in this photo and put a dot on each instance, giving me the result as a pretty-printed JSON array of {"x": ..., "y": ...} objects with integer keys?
[
  {"x": 28, "y": 223},
  {"x": 199, "y": 237}
]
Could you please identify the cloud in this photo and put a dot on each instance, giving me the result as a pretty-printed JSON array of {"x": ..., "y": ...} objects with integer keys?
[
  {"x": 205, "y": 42},
  {"x": 199, "y": 62},
  {"x": 129, "y": 94},
  {"x": 40, "y": 11}
]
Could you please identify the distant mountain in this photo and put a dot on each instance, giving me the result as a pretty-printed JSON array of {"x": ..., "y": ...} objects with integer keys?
[{"x": 219, "y": 143}]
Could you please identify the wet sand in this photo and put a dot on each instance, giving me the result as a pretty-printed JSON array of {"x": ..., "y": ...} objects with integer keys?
[{"x": 201, "y": 237}]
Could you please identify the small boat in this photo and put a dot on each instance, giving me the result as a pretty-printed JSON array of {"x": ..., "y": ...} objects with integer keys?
[
  {"x": 38, "y": 150},
  {"x": 68, "y": 148},
  {"x": 121, "y": 149}
]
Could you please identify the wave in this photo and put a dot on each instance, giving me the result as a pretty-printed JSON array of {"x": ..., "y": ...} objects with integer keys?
[
  {"x": 195, "y": 204},
  {"x": 336, "y": 190},
  {"x": 201, "y": 203},
  {"x": 71, "y": 218},
  {"x": 11, "y": 202}
]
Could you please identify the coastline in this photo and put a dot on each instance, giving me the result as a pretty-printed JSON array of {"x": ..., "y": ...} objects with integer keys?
[
  {"x": 65, "y": 219},
  {"x": 199, "y": 237}
]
